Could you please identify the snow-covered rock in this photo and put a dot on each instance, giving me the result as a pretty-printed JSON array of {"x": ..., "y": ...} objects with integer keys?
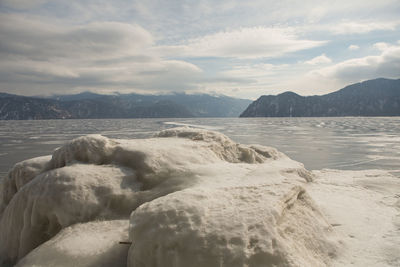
[{"x": 190, "y": 197}]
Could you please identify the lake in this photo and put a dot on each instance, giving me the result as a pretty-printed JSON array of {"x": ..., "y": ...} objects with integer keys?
[{"x": 346, "y": 143}]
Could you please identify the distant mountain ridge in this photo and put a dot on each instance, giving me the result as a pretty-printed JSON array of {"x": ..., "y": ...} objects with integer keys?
[
  {"x": 89, "y": 105},
  {"x": 378, "y": 97}
]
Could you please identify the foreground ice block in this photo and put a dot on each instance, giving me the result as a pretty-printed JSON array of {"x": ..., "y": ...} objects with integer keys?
[
  {"x": 88, "y": 244},
  {"x": 237, "y": 226},
  {"x": 190, "y": 197}
]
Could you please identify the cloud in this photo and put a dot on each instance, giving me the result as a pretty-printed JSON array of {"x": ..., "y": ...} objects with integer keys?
[
  {"x": 322, "y": 59},
  {"x": 245, "y": 43},
  {"x": 307, "y": 79},
  {"x": 93, "y": 40},
  {"x": 253, "y": 80},
  {"x": 356, "y": 27},
  {"x": 96, "y": 56},
  {"x": 151, "y": 46},
  {"x": 387, "y": 64},
  {"x": 208, "y": 16},
  {"x": 252, "y": 71},
  {"x": 353, "y": 47},
  {"x": 381, "y": 46},
  {"x": 23, "y": 4}
]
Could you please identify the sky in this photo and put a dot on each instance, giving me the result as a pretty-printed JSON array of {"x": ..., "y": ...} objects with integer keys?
[{"x": 238, "y": 48}]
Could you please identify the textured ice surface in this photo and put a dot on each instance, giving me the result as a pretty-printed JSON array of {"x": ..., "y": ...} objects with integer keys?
[
  {"x": 364, "y": 207},
  {"x": 88, "y": 244},
  {"x": 186, "y": 197}
]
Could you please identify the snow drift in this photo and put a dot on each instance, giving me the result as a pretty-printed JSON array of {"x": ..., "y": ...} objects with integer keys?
[{"x": 186, "y": 197}]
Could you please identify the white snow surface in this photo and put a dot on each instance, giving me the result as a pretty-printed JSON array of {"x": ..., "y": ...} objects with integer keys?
[
  {"x": 192, "y": 197},
  {"x": 364, "y": 208}
]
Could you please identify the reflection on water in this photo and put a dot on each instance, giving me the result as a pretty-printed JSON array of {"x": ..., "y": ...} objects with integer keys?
[{"x": 339, "y": 143}]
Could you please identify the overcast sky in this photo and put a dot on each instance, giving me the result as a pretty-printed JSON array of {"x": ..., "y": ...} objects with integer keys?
[{"x": 238, "y": 48}]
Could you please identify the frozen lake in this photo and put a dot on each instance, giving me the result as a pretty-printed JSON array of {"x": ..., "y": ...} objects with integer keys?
[
  {"x": 350, "y": 143},
  {"x": 163, "y": 183}
]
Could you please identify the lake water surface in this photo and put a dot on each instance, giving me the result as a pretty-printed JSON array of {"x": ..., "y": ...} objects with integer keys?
[{"x": 350, "y": 143}]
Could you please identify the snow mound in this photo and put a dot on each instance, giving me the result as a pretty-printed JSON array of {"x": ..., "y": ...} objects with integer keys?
[
  {"x": 241, "y": 226},
  {"x": 22, "y": 173},
  {"x": 94, "y": 149},
  {"x": 61, "y": 197},
  {"x": 88, "y": 244},
  {"x": 193, "y": 198},
  {"x": 224, "y": 147}
]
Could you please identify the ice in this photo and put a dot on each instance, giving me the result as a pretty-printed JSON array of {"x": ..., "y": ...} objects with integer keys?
[
  {"x": 22, "y": 173},
  {"x": 231, "y": 226},
  {"x": 187, "y": 197},
  {"x": 364, "y": 206},
  {"x": 61, "y": 197},
  {"x": 88, "y": 244}
]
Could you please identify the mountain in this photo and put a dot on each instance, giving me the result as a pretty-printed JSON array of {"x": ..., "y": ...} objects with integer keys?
[
  {"x": 203, "y": 105},
  {"x": 90, "y": 105},
  {"x": 379, "y": 97},
  {"x": 13, "y": 107},
  {"x": 196, "y": 105},
  {"x": 80, "y": 96}
]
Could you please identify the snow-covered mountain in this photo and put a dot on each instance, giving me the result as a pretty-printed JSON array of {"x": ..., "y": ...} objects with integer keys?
[{"x": 379, "y": 97}]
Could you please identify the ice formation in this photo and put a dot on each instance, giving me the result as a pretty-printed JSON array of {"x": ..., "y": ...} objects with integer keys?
[
  {"x": 87, "y": 244},
  {"x": 187, "y": 197}
]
